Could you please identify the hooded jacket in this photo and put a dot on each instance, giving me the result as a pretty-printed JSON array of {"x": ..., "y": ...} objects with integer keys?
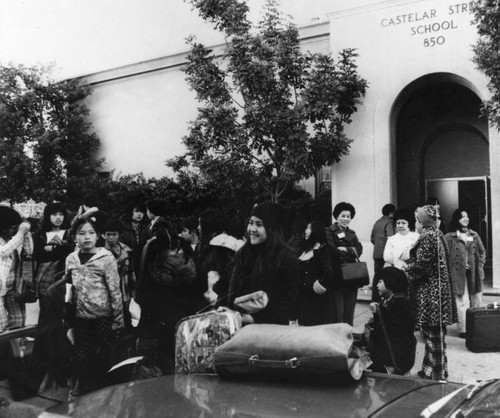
[{"x": 96, "y": 286}]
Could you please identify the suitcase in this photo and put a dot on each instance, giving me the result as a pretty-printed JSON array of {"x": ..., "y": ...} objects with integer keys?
[
  {"x": 197, "y": 337},
  {"x": 482, "y": 329},
  {"x": 291, "y": 353}
]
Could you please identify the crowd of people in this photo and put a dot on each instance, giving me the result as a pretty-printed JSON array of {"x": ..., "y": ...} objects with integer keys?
[
  {"x": 443, "y": 272},
  {"x": 95, "y": 273}
]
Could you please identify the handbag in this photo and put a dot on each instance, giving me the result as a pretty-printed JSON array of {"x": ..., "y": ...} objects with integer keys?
[
  {"x": 356, "y": 272},
  {"x": 24, "y": 287},
  {"x": 197, "y": 337},
  {"x": 253, "y": 302},
  {"x": 274, "y": 351}
]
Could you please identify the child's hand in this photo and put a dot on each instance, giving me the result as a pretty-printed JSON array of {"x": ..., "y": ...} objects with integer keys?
[
  {"x": 56, "y": 240},
  {"x": 374, "y": 307},
  {"x": 213, "y": 277},
  {"x": 211, "y": 297},
  {"x": 24, "y": 227},
  {"x": 318, "y": 288}
]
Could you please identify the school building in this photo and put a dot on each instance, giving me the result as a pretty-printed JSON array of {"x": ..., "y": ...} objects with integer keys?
[{"x": 418, "y": 133}]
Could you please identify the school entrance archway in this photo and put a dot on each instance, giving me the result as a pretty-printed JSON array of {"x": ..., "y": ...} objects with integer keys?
[{"x": 441, "y": 149}]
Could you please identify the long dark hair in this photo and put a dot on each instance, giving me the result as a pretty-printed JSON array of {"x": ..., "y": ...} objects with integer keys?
[
  {"x": 261, "y": 258},
  {"x": 212, "y": 222},
  {"x": 51, "y": 209},
  {"x": 455, "y": 220},
  {"x": 318, "y": 235}
]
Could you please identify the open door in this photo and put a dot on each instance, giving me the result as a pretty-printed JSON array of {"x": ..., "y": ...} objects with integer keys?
[{"x": 470, "y": 193}]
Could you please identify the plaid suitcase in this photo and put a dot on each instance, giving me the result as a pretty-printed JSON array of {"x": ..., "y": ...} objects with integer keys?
[{"x": 197, "y": 337}]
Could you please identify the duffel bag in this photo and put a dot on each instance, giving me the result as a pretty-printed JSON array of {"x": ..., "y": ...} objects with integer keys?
[
  {"x": 197, "y": 337},
  {"x": 291, "y": 352}
]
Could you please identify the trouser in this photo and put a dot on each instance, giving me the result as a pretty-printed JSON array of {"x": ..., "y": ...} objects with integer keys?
[
  {"x": 93, "y": 339},
  {"x": 12, "y": 312},
  {"x": 468, "y": 299},
  {"x": 344, "y": 301},
  {"x": 435, "y": 363}
]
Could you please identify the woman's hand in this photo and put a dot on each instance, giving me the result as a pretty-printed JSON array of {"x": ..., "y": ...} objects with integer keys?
[
  {"x": 318, "y": 288},
  {"x": 56, "y": 240},
  {"x": 374, "y": 307},
  {"x": 247, "y": 319},
  {"x": 343, "y": 249},
  {"x": 24, "y": 227},
  {"x": 211, "y": 297}
]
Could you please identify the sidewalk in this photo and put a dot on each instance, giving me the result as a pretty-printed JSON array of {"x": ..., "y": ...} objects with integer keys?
[{"x": 464, "y": 366}]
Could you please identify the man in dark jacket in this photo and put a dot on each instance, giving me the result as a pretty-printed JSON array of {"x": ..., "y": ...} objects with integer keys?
[{"x": 382, "y": 229}]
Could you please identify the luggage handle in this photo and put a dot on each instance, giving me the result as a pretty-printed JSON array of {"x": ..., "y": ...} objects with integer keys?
[{"x": 292, "y": 363}]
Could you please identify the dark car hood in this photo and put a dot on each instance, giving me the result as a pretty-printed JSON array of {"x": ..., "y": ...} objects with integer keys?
[{"x": 211, "y": 396}]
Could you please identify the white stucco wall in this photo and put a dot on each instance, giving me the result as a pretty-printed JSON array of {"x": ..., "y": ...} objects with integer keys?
[
  {"x": 392, "y": 55},
  {"x": 142, "y": 111}
]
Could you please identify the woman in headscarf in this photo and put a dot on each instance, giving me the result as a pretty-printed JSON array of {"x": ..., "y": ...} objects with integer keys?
[
  {"x": 265, "y": 263},
  {"x": 431, "y": 292}
]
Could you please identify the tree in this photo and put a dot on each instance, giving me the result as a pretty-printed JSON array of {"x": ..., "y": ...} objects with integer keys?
[
  {"x": 266, "y": 107},
  {"x": 487, "y": 53},
  {"x": 45, "y": 140}
]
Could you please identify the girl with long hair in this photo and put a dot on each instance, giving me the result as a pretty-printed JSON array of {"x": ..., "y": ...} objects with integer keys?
[
  {"x": 52, "y": 244},
  {"x": 14, "y": 238},
  {"x": 168, "y": 291},
  {"x": 265, "y": 263},
  {"x": 95, "y": 293},
  {"x": 467, "y": 255},
  {"x": 315, "y": 304}
]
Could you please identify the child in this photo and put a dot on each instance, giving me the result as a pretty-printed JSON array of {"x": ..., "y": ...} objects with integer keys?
[
  {"x": 189, "y": 235},
  {"x": 124, "y": 260},
  {"x": 96, "y": 294},
  {"x": 392, "y": 339},
  {"x": 52, "y": 245},
  {"x": 14, "y": 237}
]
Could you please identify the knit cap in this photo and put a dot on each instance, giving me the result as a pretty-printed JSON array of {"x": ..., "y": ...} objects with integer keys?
[
  {"x": 270, "y": 213},
  {"x": 428, "y": 215},
  {"x": 394, "y": 279}
]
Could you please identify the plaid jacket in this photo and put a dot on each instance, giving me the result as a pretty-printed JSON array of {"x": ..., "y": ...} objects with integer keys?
[{"x": 18, "y": 243}]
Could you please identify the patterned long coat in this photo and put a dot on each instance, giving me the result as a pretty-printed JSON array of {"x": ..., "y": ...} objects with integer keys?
[{"x": 431, "y": 290}]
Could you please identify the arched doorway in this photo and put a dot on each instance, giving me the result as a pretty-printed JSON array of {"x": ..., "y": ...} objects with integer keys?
[{"x": 441, "y": 147}]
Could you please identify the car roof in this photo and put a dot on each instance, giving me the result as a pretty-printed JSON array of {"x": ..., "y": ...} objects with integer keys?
[{"x": 211, "y": 396}]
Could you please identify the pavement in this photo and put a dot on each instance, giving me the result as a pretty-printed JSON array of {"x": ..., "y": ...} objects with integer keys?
[{"x": 464, "y": 366}]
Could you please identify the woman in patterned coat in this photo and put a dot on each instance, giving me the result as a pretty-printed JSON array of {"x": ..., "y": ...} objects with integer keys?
[{"x": 431, "y": 292}]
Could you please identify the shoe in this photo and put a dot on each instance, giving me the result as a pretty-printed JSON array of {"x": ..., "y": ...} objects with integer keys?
[
  {"x": 422, "y": 375},
  {"x": 462, "y": 335}
]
